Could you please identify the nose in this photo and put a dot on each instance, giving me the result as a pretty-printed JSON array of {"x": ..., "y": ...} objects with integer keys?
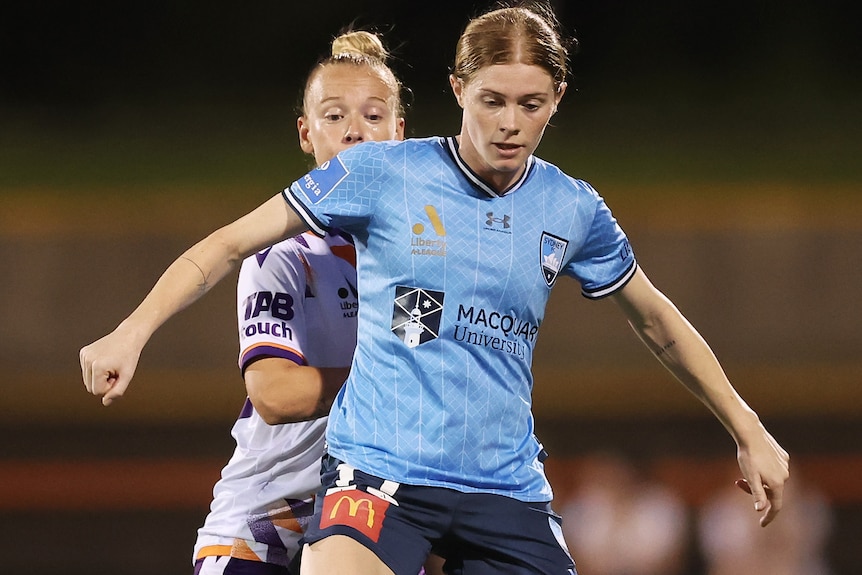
[
  {"x": 355, "y": 132},
  {"x": 508, "y": 120}
]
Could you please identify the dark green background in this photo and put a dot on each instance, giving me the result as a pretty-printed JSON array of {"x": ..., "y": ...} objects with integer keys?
[{"x": 98, "y": 93}]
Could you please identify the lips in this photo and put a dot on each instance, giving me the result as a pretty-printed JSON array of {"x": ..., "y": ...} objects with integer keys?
[{"x": 507, "y": 150}]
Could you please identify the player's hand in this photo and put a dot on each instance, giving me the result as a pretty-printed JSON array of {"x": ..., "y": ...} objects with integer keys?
[
  {"x": 766, "y": 468},
  {"x": 107, "y": 366}
]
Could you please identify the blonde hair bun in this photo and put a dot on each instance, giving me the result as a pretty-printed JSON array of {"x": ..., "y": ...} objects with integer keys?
[{"x": 359, "y": 43}]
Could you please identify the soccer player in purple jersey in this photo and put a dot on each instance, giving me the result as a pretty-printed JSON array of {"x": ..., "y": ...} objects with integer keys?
[{"x": 296, "y": 306}]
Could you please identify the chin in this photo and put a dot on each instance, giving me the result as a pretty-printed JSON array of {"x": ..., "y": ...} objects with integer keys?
[{"x": 510, "y": 165}]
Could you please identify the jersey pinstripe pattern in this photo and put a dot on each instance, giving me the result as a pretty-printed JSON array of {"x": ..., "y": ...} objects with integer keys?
[{"x": 453, "y": 282}]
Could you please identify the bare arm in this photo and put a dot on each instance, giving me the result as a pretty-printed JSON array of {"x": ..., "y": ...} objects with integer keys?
[
  {"x": 284, "y": 392},
  {"x": 681, "y": 349},
  {"x": 108, "y": 364}
]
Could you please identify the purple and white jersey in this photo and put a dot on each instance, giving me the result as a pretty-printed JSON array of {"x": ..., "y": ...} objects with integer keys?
[{"x": 295, "y": 300}]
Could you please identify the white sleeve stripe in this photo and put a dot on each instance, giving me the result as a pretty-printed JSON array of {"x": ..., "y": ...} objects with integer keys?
[
  {"x": 306, "y": 216},
  {"x": 611, "y": 288}
]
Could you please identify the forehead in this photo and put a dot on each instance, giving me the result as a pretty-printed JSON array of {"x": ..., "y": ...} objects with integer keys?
[
  {"x": 347, "y": 81},
  {"x": 512, "y": 79}
]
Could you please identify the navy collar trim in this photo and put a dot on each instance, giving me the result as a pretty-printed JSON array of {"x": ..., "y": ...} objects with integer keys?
[{"x": 476, "y": 180}]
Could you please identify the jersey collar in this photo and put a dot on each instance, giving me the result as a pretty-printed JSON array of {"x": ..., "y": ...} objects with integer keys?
[{"x": 451, "y": 145}]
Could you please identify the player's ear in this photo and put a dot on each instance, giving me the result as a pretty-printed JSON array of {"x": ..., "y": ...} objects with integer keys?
[
  {"x": 304, "y": 143},
  {"x": 457, "y": 89}
]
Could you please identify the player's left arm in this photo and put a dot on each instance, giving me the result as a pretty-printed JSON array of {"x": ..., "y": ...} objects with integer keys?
[{"x": 682, "y": 350}]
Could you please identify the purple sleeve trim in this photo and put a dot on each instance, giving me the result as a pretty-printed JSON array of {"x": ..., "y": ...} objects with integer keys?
[{"x": 259, "y": 351}]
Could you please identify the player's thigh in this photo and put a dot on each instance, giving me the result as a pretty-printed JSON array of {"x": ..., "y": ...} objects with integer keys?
[
  {"x": 503, "y": 536},
  {"x": 391, "y": 521},
  {"x": 343, "y": 555},
  {"x": 434, "y": 565}
]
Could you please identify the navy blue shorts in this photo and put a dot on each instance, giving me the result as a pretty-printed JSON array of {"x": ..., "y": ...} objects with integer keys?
[{"x": 477, "y": 533}]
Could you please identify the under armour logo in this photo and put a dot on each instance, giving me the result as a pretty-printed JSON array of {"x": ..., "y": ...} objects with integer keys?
[{"x": 492, "y": 220}]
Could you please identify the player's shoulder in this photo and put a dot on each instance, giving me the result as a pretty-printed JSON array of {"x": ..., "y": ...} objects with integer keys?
[
  {"x": 289, "y": 250},
  {"x": 381, "y": 162},
  {"x": 305, "y": 242},
  {"x": 394, "y": 148},
  {"x": 559, "y": 179}
]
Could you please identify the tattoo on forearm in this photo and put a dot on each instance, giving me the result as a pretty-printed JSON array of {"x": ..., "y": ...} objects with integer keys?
[
  {"x": 204, "y": 284},
  {"x": 665, "y": 348}
]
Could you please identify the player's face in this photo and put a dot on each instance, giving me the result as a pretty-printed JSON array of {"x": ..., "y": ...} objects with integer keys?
[
  {"x": 506, "y": 109},
  {"x": 346, "y": 105}
]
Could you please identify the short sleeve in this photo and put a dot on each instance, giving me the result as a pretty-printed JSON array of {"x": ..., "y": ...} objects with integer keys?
[
  {"x": 341, "y": 193},
  {"x": 605, "y": 262},
  {"x": 270, "y": 313}
]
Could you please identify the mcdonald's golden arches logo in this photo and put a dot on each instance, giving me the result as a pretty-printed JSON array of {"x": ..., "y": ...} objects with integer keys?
[{"x": 358, "y": 510}]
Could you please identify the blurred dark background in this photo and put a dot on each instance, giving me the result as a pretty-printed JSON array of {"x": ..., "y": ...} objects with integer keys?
[{"x": 724, "y": 135}]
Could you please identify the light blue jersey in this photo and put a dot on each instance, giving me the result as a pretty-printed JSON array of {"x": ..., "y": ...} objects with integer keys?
[{"x": 453, "y": 282}]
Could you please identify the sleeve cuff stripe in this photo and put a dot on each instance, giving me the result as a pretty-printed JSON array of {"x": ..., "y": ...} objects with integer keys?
[
  {"x": 617, "y": 285},
  {"x": 316, "y": 226}
]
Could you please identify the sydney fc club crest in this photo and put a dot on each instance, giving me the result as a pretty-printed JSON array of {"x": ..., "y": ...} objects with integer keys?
[
  {"x": 416, "y": 314},
  {"x": 551, "y": 252}
]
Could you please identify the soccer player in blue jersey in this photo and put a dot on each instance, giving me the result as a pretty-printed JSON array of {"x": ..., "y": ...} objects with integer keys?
[{"x": 459, "y": 242}]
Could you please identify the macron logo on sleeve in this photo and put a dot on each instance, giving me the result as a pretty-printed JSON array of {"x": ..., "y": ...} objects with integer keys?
[{"x": 318, "y": 183}]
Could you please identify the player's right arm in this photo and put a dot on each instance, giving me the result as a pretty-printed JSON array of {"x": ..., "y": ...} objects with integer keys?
[
  {"x": 108, "y": 364},
  {"x": 285, "y": 392}
]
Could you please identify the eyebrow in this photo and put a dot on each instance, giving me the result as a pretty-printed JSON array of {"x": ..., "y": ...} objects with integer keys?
[
  {"x": 339, "y": 98},
  {"x": 521, "y": 97}
]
